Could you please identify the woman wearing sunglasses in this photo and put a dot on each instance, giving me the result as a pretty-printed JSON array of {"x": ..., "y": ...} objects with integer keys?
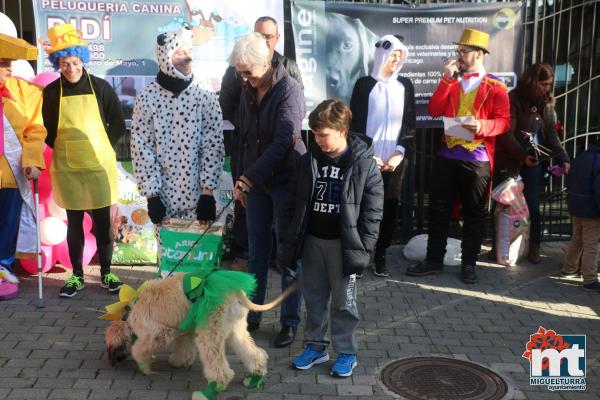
[
  {"x": 271, "y": 112},
  {"x": 383, "y": 108},
  {"x": 83, "y": 117}
]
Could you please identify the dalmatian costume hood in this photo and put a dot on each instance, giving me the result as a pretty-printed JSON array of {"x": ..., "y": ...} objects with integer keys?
[
  {"x": 166, "y": 44},
  {"x": 176, "y": 134}
]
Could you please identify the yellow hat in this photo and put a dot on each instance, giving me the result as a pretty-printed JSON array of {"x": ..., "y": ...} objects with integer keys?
[
  {"x": 16, "y": 49},
  {"x": 474, "y": 38},
  {"x": 60, "y": 37}
]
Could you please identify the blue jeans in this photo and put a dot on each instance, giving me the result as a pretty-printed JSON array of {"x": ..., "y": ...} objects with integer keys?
[
  {"x": 10, "y": 216},
  {"x": 533, "y": 178},
  {"x": 264, "y": 206}
]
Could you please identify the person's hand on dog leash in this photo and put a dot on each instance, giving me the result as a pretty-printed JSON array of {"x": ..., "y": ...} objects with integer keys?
[
  {"x": 206, "y": 210},
  {"x": 241, "y": 189},
  {"x": 156, "y": 209}
]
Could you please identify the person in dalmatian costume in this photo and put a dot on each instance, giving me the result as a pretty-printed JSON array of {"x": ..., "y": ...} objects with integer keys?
[{"x": 176, "y": 136}]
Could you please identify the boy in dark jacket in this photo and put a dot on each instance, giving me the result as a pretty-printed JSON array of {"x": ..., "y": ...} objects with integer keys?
[
  {"x": 584, "y": 205},
  {"x": 331, "y": 220}
]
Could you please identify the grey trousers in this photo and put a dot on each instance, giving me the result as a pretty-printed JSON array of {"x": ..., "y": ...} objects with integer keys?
[{"x": 321, "y": 278}]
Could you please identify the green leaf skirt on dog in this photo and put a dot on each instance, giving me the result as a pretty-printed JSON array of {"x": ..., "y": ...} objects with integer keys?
[{"x": 208, "y": 289}]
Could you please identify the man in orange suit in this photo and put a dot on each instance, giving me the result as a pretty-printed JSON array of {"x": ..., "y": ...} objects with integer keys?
[{"x": 464, "y": 165}]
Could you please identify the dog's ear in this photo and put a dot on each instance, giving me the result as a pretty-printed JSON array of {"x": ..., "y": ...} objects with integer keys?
[{"x": 118, "y": 341}]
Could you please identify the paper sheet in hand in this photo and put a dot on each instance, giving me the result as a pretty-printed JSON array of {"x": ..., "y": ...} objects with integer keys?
[{"x": 452, "y": 127}]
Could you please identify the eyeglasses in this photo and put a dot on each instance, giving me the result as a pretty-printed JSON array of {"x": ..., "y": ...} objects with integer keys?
[
  {"x": 247, "y": 72},
  {"x": 462, "y": 52},
  {"x": 386, "y": 44}
]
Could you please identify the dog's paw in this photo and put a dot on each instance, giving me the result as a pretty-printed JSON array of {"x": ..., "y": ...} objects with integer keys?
[
  {"x": 254, "y": 381},
  {"x": 210, "y": 393},
  {"x": 144, "y": 368},
  {"x": 198, "y": 395}
]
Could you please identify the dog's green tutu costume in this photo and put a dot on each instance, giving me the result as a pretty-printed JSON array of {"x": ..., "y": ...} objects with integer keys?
[{"x": 208, "y": 289}]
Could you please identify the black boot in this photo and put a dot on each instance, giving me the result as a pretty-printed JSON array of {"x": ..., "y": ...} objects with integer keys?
[
  {"x": 286, "y": 336},
  {"x": 425, "y": 268},
  {"x": 467, "y": 274},
  {"x": 380, "y": 267}
]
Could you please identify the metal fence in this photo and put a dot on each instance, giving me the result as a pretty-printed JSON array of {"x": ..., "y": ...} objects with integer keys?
[{"x": 563, "y": 33}]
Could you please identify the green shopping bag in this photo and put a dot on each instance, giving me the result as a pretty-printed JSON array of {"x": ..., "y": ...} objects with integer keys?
[{"x": 178, "y": 236}]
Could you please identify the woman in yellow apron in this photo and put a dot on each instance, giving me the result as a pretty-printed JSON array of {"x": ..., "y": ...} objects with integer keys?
[{"x": 83, "y": 117}]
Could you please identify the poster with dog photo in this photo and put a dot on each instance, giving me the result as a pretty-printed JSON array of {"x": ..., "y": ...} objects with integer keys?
[{"x": 335, "y": 44}]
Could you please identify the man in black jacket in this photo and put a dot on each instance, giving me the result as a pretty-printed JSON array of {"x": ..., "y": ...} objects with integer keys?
[{"x": 229, "y": 98}]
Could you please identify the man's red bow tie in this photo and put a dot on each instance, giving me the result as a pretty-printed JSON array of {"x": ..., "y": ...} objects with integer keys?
[{"x": 471, "y": 75}]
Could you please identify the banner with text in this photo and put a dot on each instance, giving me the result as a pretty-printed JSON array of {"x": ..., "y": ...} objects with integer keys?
[
  {"x": 122, "y": 35},
  {"x": 335, "y": 44}
]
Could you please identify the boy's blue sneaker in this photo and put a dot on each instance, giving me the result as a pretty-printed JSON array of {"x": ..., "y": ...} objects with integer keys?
[
  {"x": 310, "y": 357},
  {"x": 344, "y": 364}
]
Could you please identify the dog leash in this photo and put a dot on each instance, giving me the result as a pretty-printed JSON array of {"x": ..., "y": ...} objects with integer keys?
[{"x": 200, "y": 237}]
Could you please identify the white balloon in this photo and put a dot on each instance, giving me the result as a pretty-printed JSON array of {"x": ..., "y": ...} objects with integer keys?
[
  {"x": 22, "y": 69},
  {"x": 52, "y": 231},
  {"x": 6, "y": 26}
]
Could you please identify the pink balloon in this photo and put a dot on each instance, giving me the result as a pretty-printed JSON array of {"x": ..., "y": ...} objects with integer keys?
[
  {"x": 30, "y": 264},
  {"x": 87, "y": 222},
  {"x": 44, "y": 187},
  {"x": 47, "y": 156},
  {"x": 89, "y": 249},
  {"x": 45, "y": 78}
]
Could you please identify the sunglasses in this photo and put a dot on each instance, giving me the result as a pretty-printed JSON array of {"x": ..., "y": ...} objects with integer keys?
[
  {"x": 386, "y": 44},
  {"x": 247, "y": 72}
]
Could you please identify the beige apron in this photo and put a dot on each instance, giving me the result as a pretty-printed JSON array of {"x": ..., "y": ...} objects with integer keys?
[{"x": 84, "y": 166}]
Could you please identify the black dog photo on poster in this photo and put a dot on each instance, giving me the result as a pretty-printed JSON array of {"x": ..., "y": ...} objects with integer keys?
[{"x": 330, "y": 67}]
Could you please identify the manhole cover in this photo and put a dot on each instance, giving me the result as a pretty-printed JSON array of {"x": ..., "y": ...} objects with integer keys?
[{"x": 437, "y": 378}]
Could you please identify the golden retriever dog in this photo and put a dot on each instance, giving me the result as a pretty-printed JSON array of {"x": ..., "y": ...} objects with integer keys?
[{"x": 152, "y": 324}]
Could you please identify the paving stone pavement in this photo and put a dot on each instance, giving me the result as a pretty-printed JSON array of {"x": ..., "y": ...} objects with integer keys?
[{"x": 57, "y": 352}]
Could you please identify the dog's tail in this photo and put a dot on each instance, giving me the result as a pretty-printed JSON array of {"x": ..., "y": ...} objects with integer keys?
[
  {"x": 266, "y": 307},
  {"x": 118, "y": 341}
]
